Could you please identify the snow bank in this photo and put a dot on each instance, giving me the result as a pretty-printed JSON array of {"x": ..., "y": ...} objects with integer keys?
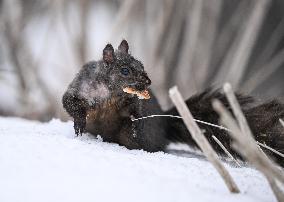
[{"x": 45, "y": 162}]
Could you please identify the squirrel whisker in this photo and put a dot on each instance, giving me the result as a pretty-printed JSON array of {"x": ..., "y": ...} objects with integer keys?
[
  {"x": 179, "y": 117},
  {"x": 209, "y": 124}
]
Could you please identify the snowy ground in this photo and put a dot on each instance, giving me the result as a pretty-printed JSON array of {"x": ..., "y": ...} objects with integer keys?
[{"x": 45, "y": 162}]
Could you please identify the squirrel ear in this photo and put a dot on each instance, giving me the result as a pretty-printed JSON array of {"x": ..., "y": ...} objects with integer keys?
[
  {"x": 123, "y": 47},
  {"x": 108, "y": 54}
]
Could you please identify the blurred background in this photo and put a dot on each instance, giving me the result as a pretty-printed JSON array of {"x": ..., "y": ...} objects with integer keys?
[{"x": 190, "y": 43}]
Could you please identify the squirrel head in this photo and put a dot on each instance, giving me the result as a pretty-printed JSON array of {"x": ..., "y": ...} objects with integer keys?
[{"x": 124, "y": 70}]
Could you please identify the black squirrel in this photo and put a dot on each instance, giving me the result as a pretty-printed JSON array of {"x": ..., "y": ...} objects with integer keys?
[{"x": 96, "y": 101}]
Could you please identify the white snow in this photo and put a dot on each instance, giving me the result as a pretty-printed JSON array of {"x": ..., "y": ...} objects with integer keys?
[{"x": 46, "y": 162}]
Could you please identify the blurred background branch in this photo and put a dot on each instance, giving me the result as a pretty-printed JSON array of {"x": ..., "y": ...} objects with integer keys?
[{"x": 192, "y": 43}]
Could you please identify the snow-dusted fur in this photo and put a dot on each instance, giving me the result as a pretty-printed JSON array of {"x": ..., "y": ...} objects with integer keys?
[{"x": 97, "y": 103}]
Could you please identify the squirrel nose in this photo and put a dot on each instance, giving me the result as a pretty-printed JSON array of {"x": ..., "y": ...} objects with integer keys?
[
  {"x": 140, "y": 87},
  {"x": 144, "y": 79},
  {"x": 148, "y": 81}
]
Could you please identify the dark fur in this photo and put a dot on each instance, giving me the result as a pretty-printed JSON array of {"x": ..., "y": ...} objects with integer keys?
[
  {"x": 263, "y": 121},
  {"x": 98, "y": 105},
  {"x": 110, "y": 116}
]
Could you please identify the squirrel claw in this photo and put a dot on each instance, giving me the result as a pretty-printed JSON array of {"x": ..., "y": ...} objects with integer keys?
[
  {"x": 79, "y": 126},
  {"x": 79, "y": 132}
]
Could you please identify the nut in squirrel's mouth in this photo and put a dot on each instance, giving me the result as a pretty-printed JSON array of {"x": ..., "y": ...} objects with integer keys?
[{"x": 144, "y": 94}]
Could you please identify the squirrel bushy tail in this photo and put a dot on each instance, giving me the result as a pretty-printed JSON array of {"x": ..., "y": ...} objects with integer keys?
[{"x": 263, "y": 120}]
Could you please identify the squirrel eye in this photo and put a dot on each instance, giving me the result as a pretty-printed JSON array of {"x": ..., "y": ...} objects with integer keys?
[{"x": 124, "y": 71}]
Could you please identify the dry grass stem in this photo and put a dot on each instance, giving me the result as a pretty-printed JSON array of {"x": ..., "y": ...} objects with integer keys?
[
  {"x": 245, "y": 143},
  {"x": 265, "y": 71},
  {"x": 271, "y": 44},
  {"x": 225, "y": 150},
  {"x": 201, "y": 140},
  {"x": 244, "y": 44},
  {"x": 225, "y": 37},
  {"x": 271, "y": 149},
  {"x": 247, "y": 147},
  {"x": 189, "y": 45},
  {"x": 211, "y": 10},
  {"x": 246, "y": 139},
  {"x": 236, "y": 109},
  {"x": 123, "y": 15}
]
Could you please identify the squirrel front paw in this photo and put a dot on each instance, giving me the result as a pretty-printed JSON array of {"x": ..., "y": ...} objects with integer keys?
[{"x": 79, "y": 125}]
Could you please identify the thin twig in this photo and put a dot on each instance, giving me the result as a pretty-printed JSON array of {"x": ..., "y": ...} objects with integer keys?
[
  {"x": 271, "y": 149},
  {"x": 201, "y": 141},
  {"x": 225, "y": 150}
]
